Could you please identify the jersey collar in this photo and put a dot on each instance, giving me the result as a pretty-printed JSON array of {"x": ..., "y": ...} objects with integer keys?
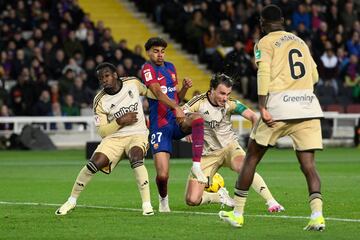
[{"x": 208, "y": 98}]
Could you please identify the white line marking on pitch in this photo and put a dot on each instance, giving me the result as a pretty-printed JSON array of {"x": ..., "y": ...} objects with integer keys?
[{"x": 181, "y": 212}]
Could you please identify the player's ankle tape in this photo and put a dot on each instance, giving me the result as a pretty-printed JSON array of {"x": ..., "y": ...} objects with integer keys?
[
  {"x": 136, "y": 163},
  {"x": 314, "y": 196},
  {"x": 241, "y": 193},
  {"x": 92, "y": 167}
]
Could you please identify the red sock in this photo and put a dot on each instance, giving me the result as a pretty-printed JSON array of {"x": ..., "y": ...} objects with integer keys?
[{"x": 197, "y": 135}]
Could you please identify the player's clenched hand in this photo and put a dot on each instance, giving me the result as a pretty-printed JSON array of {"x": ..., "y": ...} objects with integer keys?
[
  {"x": 187, "y": 83},
  {"x": 267, "y": 118},
  {"x": 180, "y": 115},
  {"x": 127, "y": 119},
  {"x": 188, "y": 138}
]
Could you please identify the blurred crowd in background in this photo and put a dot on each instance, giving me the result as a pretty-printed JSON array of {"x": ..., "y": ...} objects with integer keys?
[
  {"x": 51, "y": 49},
  {"x": 223, "y": 33}
]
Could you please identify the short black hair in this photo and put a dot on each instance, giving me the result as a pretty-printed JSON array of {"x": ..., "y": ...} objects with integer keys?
[
  {"x": 271, "y": 13},
  {"x": 104, "y": 66},
  {"x": 220, "y": 78},
  {"x": 155, "y": 42}
]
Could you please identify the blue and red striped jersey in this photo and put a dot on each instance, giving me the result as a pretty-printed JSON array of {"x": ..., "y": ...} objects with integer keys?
[{"x": 165, "y": 75}]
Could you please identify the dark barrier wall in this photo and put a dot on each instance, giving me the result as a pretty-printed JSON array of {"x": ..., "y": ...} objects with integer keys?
[
  {"x": 180, "y": 150},
  {"x": 357, "y": 136}
]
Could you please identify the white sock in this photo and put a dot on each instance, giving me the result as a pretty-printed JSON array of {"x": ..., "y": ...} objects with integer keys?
[
  {"x": 315, "y": 215},
  {"x": 196, "y": 165},
  {"x": 72, "y": 200},
  {"x": 146, "y": 204},
  {"x": 237, "y": 214},
  {"x": 271, "y": 203},
  {"x": 164, "y": 198}
]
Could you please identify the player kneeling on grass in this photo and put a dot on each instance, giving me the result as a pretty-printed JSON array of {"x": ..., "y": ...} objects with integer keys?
[
  {"x": 221, "y": 146},
  {"x": 120, "y": 121}
]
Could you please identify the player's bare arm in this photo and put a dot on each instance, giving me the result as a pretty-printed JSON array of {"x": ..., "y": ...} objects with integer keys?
[
  {"x": 187, "y": 83},
  {"x": 250, "y": 115},
  {"x": 265, "y": 115}
]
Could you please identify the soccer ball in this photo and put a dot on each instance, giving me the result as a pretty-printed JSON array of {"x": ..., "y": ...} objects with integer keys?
[{"x": 217, "y": 183}]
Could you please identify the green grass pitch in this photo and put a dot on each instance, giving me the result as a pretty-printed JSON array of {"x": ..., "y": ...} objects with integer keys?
[{"x": 34, "y": 184}]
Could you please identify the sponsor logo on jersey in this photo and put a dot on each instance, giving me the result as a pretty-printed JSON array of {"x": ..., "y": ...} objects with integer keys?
[
  {"x": 124, "y": 110},
  {"x": 303, "y": 98},
  {"x": 165, "y": 89},
  {"x": 161, "y": 78},
  {"x": 257, "y": 54}
]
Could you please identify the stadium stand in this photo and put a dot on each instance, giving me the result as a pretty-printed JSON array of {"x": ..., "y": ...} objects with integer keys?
[
  {"x": 353, "y": 108},
  {"x": 123, "y": 19},
  {"x": 223, "y": 33},
  {"x": 49, "y": 61},
  {"x": 335, "y": 108}
]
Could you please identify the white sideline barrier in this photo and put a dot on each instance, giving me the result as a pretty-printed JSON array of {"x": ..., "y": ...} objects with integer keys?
[
  {"x": 83, "y": 129},
  {"x": 342, "y": 123}
]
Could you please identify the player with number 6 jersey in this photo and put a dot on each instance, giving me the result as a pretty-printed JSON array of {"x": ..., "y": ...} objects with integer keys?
[
  {"x": 288, "y": 107},
  {"x": 293, "y": 75}
]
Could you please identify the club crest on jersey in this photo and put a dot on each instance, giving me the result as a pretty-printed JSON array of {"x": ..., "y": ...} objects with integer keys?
[
  {"x": 131, "y": 94},
  {"x": 124, "y": 110},
  {"x": 213, "y": 124},
  {"x": 173, "y": 76},
  {"x": 147, "y": 75}
]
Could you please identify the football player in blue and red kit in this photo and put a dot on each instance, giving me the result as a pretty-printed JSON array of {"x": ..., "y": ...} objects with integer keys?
[{"x": 167, "y": 120}]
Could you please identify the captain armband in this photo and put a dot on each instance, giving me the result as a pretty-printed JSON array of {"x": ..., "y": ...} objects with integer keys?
[{"x": 239, "y": 107}]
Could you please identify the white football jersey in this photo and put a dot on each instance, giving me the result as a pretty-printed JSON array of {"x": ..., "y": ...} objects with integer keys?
[
  {"x": 218, "y": 132},
  {"x": 109, "y": 107}
]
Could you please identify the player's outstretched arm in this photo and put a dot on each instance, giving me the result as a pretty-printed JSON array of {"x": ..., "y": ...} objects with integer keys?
[{"x": 250, "y": 115}]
